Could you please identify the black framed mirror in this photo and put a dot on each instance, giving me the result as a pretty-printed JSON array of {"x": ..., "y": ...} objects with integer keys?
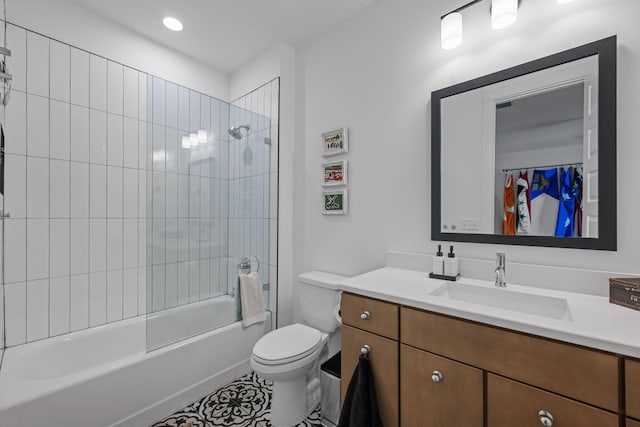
[{"x": 527, "y": 155}]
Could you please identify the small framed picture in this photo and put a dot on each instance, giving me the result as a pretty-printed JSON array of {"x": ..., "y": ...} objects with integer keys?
[
  {"x": 334, "y": 173},
  {"x": 335, "y": 202},
  {"x": 335, "y": 142}
]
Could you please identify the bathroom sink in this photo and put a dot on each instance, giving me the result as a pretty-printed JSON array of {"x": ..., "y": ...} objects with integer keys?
[{"x": 507, "y": 299}]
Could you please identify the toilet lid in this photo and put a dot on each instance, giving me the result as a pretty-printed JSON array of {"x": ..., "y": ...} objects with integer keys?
[{"x": 287, "y": 344}]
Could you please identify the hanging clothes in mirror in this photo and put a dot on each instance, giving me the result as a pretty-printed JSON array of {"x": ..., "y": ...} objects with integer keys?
[
  {"x": 566, "y": 207},
  {"x": 509, "y": 208},
  {"x": 576, "y": 192},
  {"x": 524, "y": 204},
  {"x": 545, "y": 200}
]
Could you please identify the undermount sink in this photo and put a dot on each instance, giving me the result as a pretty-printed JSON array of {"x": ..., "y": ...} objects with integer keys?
[{"x": 506, "y": 299}]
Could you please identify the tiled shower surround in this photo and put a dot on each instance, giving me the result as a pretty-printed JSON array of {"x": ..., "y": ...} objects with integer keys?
[{"x": 110, "y": 217}]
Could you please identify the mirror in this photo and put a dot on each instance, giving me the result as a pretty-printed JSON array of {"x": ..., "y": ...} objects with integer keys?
[{"x": 526, "y": 156}]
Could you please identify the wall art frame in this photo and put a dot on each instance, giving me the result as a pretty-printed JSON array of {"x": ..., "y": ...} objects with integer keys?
[
  {"x": 335, "y": 202},
  {"x": 335, "y": 142},
  {"x": 335, "y": 174}
]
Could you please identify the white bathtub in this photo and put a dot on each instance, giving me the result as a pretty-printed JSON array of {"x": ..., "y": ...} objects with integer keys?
[
  {"x": 172, "y": 325},
  {"x": 103, "y": 376}
]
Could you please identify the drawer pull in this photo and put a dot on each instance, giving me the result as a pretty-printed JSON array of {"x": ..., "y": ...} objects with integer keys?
[
  {"x": 365, "y": 315},
  {"x": 546, "y": 419},
  {"x": 365, "y": 349},
  {"x": 436, "y": 376}
]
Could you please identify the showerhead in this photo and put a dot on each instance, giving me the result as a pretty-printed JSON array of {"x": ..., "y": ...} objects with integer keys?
[{"x": 236, "y": 131}]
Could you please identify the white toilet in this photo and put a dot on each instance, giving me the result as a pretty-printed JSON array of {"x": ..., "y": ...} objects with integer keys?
[{"x": 291, "y": 356}]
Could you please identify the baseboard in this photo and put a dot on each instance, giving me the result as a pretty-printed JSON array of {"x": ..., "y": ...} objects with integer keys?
[{"x": 179, "y": 400}]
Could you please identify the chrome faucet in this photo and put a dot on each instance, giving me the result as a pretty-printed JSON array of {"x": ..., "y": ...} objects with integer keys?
[{"x": 501, "y": 264}]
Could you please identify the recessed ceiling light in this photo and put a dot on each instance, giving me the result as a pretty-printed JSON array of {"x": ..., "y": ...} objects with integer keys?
[{"x": 172, "y": 23}]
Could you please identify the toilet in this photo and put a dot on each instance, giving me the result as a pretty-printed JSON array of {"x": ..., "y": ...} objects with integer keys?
[{"x": 291, "y": 356}]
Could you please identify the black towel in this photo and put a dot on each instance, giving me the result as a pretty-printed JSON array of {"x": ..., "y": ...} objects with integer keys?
[{"x": 360, "y": 408}]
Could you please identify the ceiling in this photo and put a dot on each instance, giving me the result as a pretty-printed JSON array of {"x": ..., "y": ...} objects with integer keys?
[{"x": 226, "y": 34}]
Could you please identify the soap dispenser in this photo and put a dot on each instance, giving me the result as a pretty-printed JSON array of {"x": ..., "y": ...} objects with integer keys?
[
  {"x": 438, "y": 262},
  {"x": 451, "y": 264}
]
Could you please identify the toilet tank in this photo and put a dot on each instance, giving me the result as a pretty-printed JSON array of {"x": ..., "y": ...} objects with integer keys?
[{"x": 320, "y": 299}]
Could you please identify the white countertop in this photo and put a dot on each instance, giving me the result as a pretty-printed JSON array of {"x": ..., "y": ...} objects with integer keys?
[{"x": 594, "y": 321}]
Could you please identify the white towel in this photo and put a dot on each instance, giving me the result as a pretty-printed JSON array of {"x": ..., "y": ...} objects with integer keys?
[{"x": 251, "y": 299}]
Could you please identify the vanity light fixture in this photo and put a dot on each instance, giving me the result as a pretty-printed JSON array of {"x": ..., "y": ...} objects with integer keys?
[
  {"x": 503, "y": 13},
  {"x": 172, "y": 23},
  {"x": 194, "y": 139},
  {"x": 451, "y": 31}
]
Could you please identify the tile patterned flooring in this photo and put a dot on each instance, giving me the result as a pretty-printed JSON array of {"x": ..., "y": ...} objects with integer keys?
[{"x": 245, "y": 402}]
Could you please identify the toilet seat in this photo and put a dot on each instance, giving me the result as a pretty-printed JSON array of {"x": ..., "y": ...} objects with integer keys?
[{"x": 286, "y": 345}]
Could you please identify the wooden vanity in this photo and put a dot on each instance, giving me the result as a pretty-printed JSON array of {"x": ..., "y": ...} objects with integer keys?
[{"x": 436, "y": 370}]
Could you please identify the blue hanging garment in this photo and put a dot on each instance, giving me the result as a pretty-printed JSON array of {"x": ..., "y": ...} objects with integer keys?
[
  {"x": 545, "y": 181},
  {"x": 566, "y": 210}
]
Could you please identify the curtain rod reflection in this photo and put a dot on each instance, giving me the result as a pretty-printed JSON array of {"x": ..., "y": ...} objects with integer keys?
[{"x": 544, "y": 167}]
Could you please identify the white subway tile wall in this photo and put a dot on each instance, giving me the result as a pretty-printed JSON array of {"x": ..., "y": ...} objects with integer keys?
[
  {"x": 72, "y": 190},
  {"x": 111, "y": 217}
]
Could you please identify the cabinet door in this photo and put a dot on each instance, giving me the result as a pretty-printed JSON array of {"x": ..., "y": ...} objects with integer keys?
[
  {"x": 632, "y": 423},
  {"x": 510, "y": 403},
  {"x": 454, "y": 399},
  {"x": 384, "y": 362},
  {"x": 632, "y": 369}
]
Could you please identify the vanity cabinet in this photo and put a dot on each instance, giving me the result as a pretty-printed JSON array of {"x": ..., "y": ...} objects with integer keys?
[
  {"x": 373, "y": 323},
  {"x": 455, "y": 372},
  {"x": 632, "y": 386}
]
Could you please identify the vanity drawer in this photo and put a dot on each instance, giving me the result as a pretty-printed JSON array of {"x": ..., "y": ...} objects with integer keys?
[
  {"x": 382, "y": 318},
  {"x": 587, "y": 375},
  {"x": 632, "y": 369},
  {"x": 456, "y": 399},
  {"x": 510, "y": 403},
  {"x": 384, "y": 363}
]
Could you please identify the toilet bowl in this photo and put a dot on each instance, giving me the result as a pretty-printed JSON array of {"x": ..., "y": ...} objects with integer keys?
[{"x": 291, "y": 356}]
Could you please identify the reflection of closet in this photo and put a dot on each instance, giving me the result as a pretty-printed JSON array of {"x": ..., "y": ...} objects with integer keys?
[{"x": 540, "y": 215}]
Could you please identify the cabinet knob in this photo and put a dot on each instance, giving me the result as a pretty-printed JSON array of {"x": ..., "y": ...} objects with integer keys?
[
  {"x": 365, "y": 349},
  {"x": 546, "y": 419},
  {"x": 365, "y": 315},
  {"x": 436, "y": 376}
]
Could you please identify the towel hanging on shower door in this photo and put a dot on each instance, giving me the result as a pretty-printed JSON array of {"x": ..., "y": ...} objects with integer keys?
[{"x": 251, "y": 299}]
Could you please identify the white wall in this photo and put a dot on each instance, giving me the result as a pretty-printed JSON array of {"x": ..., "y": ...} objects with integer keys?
[
  {"x": 279, "y": 61},
  {"x": 75, "y": 25},
  {"x": 375, "y": 73}
]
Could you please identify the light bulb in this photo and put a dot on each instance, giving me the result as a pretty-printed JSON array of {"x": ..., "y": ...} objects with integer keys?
[
  {"x": 202, "y": 136},
  {"x": 186, "y": 143},
  {"x": 193, "y": 139},
  {"x": 564, "y": 1},
  {"x": 451, "y": 31},
  {"x": 172, "y": 23},
  {"x": 503, "y": 13}
]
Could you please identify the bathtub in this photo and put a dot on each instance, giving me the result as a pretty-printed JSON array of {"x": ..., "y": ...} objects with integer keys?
[{"x": 104, "y": 376}]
